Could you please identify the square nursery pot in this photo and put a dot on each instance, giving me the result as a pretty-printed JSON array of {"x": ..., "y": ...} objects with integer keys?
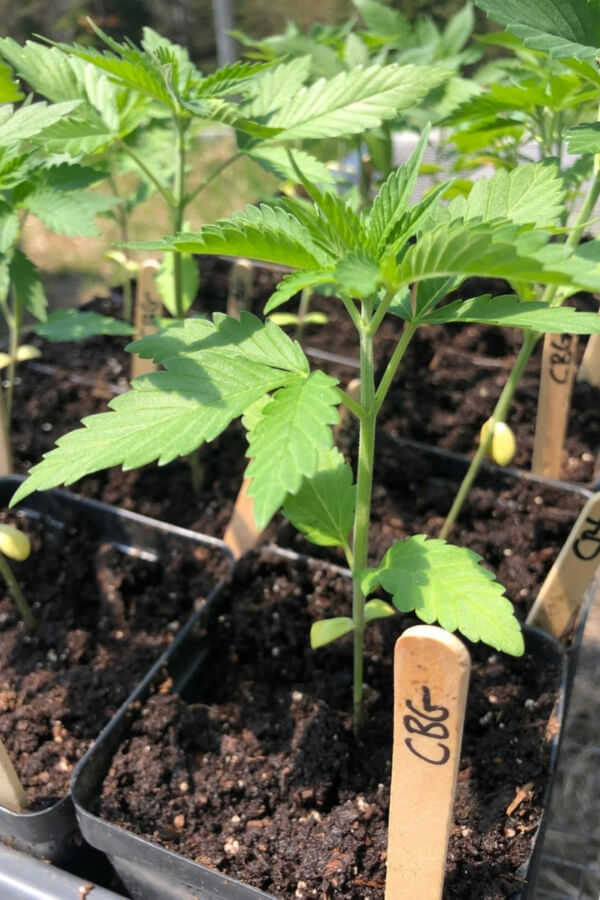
[
  {"x": 147, "y": 580},
  {"x": 249, "y": 648}
]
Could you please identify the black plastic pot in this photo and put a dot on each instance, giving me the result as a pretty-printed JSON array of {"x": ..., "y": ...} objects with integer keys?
[
  {"x": 52, "y": 833},
  {"x": 150, "y": 872}
]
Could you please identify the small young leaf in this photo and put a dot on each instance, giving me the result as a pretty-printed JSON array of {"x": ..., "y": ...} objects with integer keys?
[
  {"x": 357, "y": 276},
  {"x": 394, "y": 196},
  {"x": 323, "y": 508},
  {"x": 75, "y": 325},
  {"x": 325, "y": 631},
  {"x": 292, "y": 284},
  {"x": 286, "y": 441},
  {"x": 446, "y": 584},
  {"x": 378, "y": 609}
]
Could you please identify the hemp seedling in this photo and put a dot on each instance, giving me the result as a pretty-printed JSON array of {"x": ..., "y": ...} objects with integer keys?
[
  {"x": 14, "y": 544},
  {"x": 377, "y": 263}
]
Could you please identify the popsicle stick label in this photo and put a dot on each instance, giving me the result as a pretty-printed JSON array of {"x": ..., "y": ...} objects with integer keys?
[
  {"x": 12, "y": 793},
  {"x": 241, "y": 287},
  {"x": 589, "y": 370},
  {"x": 148, "y": 306},
  {"x": 242, "y": 532},
  {"x": 556, "y": 384},
  {"x": 431, "y": 679},
  {"x": 5, "y": 450},
  {"x": 567, "y": 581}
]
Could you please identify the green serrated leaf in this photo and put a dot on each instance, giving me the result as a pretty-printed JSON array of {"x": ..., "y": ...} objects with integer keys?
[
  {"x": 508, "y": 311},
  {"x": 446, "y": 584},
  {"x": 27, "y": 285},
  {"x": 584, "y": 138},
  {"x": 353, "y": 102},
  {"x": 9, "y": 89},
  {"x": 394, "y": 195},
  {"x": 166, "y": 415},
  {"x": 532, "y": 193},
  {"x": 69, "y": 212},
  {"x": 29, "y": 121},
  {"x": 190, "y": 282},
  {"x": 263, "y": 233},
  {"x": 286, "y": 441},
  {"x": 277, "y": 86},
  {"x": 561, "y": 29},
  {"x": 246, "y": 338},
  {"x": 76, "y": 325},
  {"x": 495, "y": 249},
  {"x": 325, "y": 631},
  {"x": 9, "y": 229},
  {"x": 323, "y": 508}
]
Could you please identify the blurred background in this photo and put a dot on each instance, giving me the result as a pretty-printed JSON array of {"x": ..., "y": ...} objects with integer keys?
[{"x": 190, "y": 22}]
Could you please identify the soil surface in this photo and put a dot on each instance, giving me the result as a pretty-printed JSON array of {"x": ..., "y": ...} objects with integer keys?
[
  {"x": 103, "y": 618},
  {"x": 257, "y": 772}
]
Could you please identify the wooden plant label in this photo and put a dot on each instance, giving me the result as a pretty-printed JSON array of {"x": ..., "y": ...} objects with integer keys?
[
  {"x": 5, "y": 449},
  {"x": 241, "y": 287},
  {"x": 431, "y": 680},
  {"x": 242, "y": 532},
  {"x": 12, "y": 793},
  {"x": 558, "y": 373},
  {"x": 148, "y": 305},
  {"x": 589, "y": 370},
  {"x": 562, "y": 592}
]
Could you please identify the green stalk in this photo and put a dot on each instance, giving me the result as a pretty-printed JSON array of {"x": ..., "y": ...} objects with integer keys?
[
  {"x": 303, "y": 308},
  {"x": 362, "y": 515},
  {"x": 15, "y": 590},
  {"x": 499, "y": 415},
  {"x": 179, "y": 203}
]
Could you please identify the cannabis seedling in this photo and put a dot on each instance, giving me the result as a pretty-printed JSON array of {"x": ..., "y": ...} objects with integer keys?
[{"x": 216, "y": 371}]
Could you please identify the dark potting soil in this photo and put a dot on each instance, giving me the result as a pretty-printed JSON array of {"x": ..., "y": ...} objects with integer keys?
[
  {"x": 257, "y": 772},
  {"x": 103, "y": 618}
]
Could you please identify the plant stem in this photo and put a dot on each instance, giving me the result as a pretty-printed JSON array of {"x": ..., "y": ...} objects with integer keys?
[
  {"x": 179, "y": 204},
  {"x": 149, "y": 175},
  {"x": 364, "y": 486},
  {"x": 193, "y": 194},
  {"x": 303, "y": 309},
  {"x": 15, "y": 590},
  {"x": 499, "y": 415},
  {"x": 392, "y": 366}
]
